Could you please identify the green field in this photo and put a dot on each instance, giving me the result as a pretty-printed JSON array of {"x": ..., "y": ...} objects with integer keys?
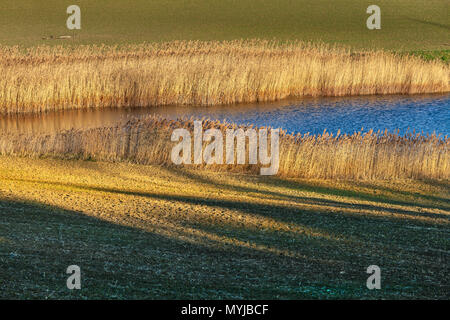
[{"x": 406, "y": 24}]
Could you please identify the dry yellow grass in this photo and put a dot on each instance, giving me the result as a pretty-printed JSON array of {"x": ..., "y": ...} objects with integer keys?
[
  {"x": 148, "y": 141},
  {"x": 203, "y": 73}
]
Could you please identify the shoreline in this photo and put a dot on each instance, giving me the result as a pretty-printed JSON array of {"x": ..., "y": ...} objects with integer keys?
[{"x": 281, "y": 102}]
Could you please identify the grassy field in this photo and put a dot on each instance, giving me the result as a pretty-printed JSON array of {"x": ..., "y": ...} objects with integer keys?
[
  {"x": 138, "y": 232},
  {"x": 406, "y": 24}
]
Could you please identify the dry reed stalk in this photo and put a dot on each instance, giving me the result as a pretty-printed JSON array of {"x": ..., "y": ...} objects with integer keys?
[
  {"x": 203, "y": 73},
  {"x": 147, "y": 141}
]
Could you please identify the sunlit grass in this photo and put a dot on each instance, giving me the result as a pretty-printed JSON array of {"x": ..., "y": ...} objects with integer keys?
[{"x": 138, "y": 231}]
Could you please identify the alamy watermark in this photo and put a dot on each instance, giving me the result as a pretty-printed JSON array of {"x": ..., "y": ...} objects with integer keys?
[
  {"x": 374, "y": 281},
  {"x": 213, "y": 153},
  {"x": 374, "y": 21},
  {"x": 74, "y": 20},
  {"x": 74, "y": 280}
]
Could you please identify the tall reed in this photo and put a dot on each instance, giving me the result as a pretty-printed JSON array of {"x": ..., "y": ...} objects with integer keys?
[
  {"x": 203, "y": 73},
  {"x": 147, "y": 141}
]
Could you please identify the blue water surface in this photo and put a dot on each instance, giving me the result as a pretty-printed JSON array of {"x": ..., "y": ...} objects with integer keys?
[{"x": 424, "y": 113}]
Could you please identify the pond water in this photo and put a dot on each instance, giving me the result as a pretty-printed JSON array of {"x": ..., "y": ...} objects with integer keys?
[{"x": 427, "y": 113}]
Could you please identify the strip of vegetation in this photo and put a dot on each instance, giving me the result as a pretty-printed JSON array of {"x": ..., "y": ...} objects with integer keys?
[
  {"x": 368, "y": 155},
  {"x": 203, "y": 73}
]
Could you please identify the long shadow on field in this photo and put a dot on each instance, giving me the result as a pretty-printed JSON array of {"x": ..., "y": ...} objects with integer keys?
[
  {"x": 305, "y": 186},
  {"x": 38, "y": 243},
  {"x": 118, "y": 261},
  {"x": 317, "y": 217},
  {"x": 298, "y": 186},
  {"x": 198, "y": 178},
  {"x": 444, "y": 202},
  {"x": 439, "y": 184}
]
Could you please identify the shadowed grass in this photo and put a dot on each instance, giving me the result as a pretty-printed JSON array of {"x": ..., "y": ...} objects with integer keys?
[{"x": 143, "y": 234}]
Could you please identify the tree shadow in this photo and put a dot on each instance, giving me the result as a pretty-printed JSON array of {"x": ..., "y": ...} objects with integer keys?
[
  {"x": 323, "y": 222},
  {"x": 38, "y": 243},
  {"x": 279, "y": 182},
  {"x": 121, "y": 261},
  {"x": 309, "y": 187},
  {"x": 285, "y": 213}
]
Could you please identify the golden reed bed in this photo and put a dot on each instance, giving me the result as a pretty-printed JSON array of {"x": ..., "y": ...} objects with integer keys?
[
  {"x": 147, "y": 141},
  {"x": 202, "y": 73}
]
